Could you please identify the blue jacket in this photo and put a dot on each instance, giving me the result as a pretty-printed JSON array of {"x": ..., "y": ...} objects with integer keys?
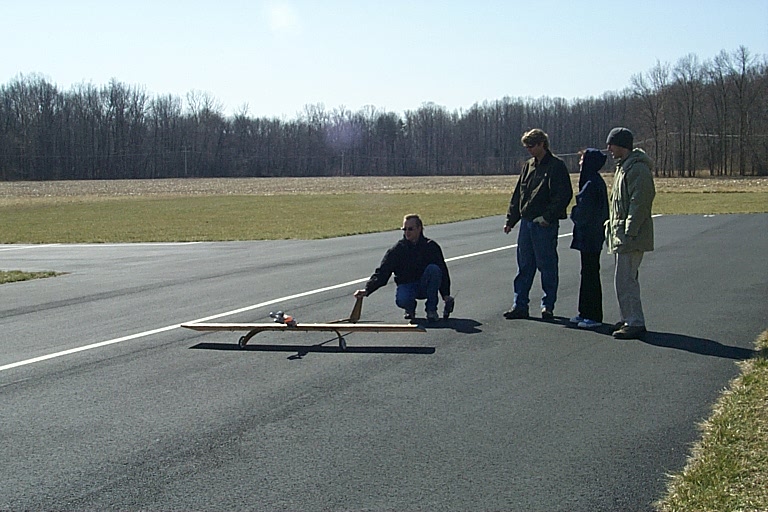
[{"x": 591, "y": 209}]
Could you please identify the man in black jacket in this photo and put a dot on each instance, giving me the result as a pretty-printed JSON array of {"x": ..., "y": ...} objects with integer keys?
[
  {"x": 539, "y": 201},
  {"x": 420, "y": 272}
]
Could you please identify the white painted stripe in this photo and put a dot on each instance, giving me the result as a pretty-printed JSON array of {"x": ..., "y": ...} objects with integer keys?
[
  {"x": 175, "y": 326},
  {"x": 87, "y": 347},
  {"x": 77, "y": 246},
  {"x": 25, "y": 247}
]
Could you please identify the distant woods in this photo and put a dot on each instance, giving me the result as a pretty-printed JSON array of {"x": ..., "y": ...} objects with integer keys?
[{"x": 690, "y": 116}]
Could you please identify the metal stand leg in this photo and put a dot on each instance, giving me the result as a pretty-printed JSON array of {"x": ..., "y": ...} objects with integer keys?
[
  {"x": 342, "y": 341},
  {"x": 243, "y": 341}
]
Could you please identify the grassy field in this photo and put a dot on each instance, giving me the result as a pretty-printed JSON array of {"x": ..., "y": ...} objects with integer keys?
[
  {"x": 728, "y": 469},
  {"x": 302, "y": 208}
]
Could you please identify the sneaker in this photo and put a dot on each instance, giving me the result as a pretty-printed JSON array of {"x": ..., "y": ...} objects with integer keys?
[
  {"x": 617, "y": 326},
  {"x": 577, "y": 319},
  {"x": 588, "y": 324},
  {"x": 432, "y": 316},
  {"x": 409, "y": 315},
  {"x": 547, "y": 314},
  {"x": 516, "y": 314},
  {"x": 450, "y": 303},
  {"x": 630, "y": 332}
]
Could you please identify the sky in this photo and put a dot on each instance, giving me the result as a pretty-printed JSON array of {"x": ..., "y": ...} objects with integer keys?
[{"x": 273, "y": 58}]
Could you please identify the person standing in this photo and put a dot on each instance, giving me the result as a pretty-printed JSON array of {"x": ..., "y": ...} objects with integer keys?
[
  {"x": 589, "y": 216},
  {"x": 538, "y": 202},
  {"x": 630, "y": 227},
  {"x": 420, "y": 272}
]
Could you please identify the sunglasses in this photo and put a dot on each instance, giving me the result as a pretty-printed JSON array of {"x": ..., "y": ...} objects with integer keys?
[{"x": 409, "y": 228}]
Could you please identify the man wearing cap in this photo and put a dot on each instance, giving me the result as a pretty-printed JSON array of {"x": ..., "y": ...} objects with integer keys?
[{"x": 629, "y": 229}]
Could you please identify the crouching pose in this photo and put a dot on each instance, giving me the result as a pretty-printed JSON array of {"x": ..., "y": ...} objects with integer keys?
[{"x": 420, "y": 272}]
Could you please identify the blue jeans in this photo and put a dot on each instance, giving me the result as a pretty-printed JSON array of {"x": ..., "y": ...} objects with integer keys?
[
  {"x": 425, "y": 288},
  {"x": 536, "y": 250}
]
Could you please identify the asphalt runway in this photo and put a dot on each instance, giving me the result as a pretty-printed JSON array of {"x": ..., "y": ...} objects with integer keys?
[{"x": 107, "y": 404}]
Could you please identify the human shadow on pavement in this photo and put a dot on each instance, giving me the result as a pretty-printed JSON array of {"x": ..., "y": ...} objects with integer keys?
[
  {"x": 462, "y": 325},
  {"x": 701, "y": 346},
  {"x": 691, "y": 344}
]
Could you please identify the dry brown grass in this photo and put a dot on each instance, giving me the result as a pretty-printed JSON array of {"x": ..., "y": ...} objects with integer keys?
[{"x": 64, "y": 191}]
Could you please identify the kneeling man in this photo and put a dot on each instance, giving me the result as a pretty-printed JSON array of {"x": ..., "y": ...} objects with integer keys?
[{"x": 420, "y": 272}]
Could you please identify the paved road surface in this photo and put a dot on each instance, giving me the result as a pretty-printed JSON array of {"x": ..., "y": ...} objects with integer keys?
[{"x": 108, "y": 404}]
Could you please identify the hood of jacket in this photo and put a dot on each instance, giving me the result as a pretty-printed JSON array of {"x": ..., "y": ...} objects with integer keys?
[
  {"x": 593, "y": 161},
  {"x": 637, "y": 155}
]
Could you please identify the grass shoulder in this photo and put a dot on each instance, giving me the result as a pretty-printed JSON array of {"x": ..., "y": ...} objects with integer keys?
[
  {"x": 12, "y": 276},
  {"x": 728, "y": 468}
]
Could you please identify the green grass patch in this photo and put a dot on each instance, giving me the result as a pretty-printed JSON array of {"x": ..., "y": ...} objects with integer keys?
[
  {"x": 311, "y": 216},
  {"x": 704, "y": 203},
  {"x": 729, "y": 466},
  {"x": 12, "y": 276},
  {"x": 211, "y": 218}
]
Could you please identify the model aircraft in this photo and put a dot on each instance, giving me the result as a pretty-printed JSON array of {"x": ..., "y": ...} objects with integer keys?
[{"x": 286, "y": 323}]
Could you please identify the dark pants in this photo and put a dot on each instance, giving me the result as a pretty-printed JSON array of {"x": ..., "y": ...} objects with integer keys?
[
  {"x": 425, "y": 288},
  {"x": 590, "y": 290}
]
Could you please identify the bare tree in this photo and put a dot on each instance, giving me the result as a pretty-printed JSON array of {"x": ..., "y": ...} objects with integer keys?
[
  {"x": 651, "y": 89},
  {"x": 743, "y": 76},
  {"x": 688, "y": 74}
]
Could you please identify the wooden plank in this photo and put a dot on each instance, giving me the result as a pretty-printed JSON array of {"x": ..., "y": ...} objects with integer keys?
[{"x": 328, "y": 327}]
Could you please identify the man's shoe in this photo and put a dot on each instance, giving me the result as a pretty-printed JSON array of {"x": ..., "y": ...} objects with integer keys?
[
  {"x": 589, "y": 324},
  {"x": 577, "y": 319},
  {"x": 617, "y": 326},
  {"x": 516, "y": 314},
  {"x": 630, "y": 332},
  {"x": 547, "y": 314},
  {"x": 432, "y": 316},
  {"x": 409, "y": 315}
]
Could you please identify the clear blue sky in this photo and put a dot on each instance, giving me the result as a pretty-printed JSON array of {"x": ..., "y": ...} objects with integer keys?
[{"x": 276, "y": 56}]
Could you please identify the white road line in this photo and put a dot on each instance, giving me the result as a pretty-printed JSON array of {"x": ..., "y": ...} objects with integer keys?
[
  {"x": 86, "y": 347},
  {"x": 78, "y": 246},
  {"x": 25, "y": 247},
  {"x": 229, "y": 313},
  {"x": 171, "y": 327}
]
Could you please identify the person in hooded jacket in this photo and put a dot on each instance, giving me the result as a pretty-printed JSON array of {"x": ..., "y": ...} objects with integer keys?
[
  {"x": 629, "y": 229},
  {"x": 589, "y": 215},
  {"x": 420, "y": 272}
]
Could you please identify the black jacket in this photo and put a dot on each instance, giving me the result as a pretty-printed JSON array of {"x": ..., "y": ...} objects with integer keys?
[
  {"x": 543, "y": 189},
  {"x": 408, "y": 261}
]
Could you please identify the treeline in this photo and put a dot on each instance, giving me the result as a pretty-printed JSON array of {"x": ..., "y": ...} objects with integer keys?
[{"x": 690, "y": 116}]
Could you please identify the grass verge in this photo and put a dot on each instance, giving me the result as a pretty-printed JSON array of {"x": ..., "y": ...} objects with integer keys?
[
  {"x": 728, "y": 469},
  {"x": 12, "y": 276}
]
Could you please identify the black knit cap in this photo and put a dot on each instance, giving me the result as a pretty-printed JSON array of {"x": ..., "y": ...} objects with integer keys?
[{"x": 620, "y": 137}]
